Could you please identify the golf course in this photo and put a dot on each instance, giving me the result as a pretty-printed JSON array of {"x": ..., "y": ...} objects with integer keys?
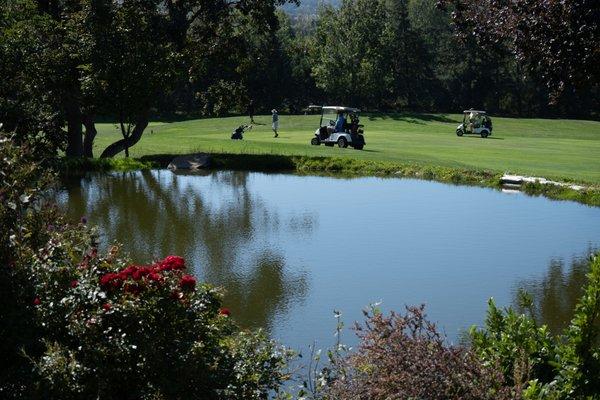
[{"x": 551, "y": 148}]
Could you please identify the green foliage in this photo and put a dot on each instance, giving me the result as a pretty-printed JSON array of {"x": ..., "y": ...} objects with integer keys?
[
  {"x": 579, "y": 355},
  {"x": 516, "y": 343},
  {"x": 80, "y": 324},
  {"x": 115, "y": 331},
  {"x": 543, "y": 366},
  {"x": 69, "y": 166},
  {"x": 24, "y": 220}
]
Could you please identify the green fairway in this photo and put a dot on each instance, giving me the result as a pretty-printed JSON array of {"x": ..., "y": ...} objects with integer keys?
[{"x": 558, "y": 149}]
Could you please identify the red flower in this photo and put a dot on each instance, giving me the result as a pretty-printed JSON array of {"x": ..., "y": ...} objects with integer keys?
[
  {"x": 106, "y": 306},
  {"x": 172, "y": 263},
  {"x": 224, "y": 311},
  {"x": 154, "y": 276},
  {"x": 74, "y": 283},
  {"x": 108, "y": 278},
  {"x": 37, "y": 301},
  {"x": 187, "y": 282},
  {"x": 137, "y": 275}
]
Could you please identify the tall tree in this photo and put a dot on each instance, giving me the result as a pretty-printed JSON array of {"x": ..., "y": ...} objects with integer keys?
[
  {"x": 557, "y": 40},
  {"x": 75, "y": 59}
]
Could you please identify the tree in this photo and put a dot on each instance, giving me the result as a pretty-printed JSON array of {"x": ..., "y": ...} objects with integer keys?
[
  {"x": 556, "y": 39},
  {"x": 42, "y": 46},
  {"x": 73, "y": 60},
  {"x": 368, "y": 54}
]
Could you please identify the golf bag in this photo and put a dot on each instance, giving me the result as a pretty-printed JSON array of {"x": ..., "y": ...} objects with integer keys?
[{"x": 238, "y": 133}]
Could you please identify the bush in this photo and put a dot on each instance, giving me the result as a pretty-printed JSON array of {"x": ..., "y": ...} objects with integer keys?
[
  {"x": 402, "y": 356},
  {"x": 23, "y": 216},
  {"x": 120, "y": 331},
  {"x": 78, "y": 324},
  {"x": 543, "y": 366}
]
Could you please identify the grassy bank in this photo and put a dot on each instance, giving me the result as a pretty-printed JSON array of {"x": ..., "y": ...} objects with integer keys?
[
  {"x": 341, "y": 167},
  {"x": 421, "y": 146},
  {"x": 564, "y": 150}
]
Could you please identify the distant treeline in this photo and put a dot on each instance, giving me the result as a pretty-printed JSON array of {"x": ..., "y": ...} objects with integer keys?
[
  {"x": 387, "y": 55},
  {"x": 72, "y": 64}
]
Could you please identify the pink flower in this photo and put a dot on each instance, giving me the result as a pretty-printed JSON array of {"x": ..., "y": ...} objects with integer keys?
[
  {"x": 187, "y": 282},
  {"x": 74, "y": 283},
  {"x": 37, "y": 301}
]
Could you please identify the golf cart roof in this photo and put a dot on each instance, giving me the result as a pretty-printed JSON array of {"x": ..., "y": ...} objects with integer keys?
[
  {"x": 335, "y": 108},
  {"x": 474, "y": 111},
  {"x": 340, "y": 108}
]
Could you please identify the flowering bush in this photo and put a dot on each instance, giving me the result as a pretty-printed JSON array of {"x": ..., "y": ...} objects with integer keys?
[
  {"x": 24, "y": 220},
  {"x": 77, "y": 323},
  {"x": 129, "y": 331}
]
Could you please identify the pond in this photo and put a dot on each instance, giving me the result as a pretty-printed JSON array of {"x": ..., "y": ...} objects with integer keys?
[{"x": 289, "y": 249}]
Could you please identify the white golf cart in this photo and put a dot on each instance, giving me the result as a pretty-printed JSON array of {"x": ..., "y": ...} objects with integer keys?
[
  {"x": 475, "y": 123},
  {"x": 339, "y": 125}
]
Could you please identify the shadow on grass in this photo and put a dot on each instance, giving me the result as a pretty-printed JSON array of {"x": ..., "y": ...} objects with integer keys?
[
  {"x": 413, "y": 118},
  {"x": 487, "y": 138}
]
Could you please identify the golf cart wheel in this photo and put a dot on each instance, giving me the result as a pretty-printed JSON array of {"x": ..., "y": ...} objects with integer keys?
[
  {"x": 484, "y": 134},
  {"x": 459, "y": 132},
  {"x": 342, "y": 143},
  {"x": 314, "y": 141}
]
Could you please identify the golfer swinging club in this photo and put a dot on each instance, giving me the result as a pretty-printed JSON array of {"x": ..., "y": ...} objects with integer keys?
[{"x": 275, "y": 122}]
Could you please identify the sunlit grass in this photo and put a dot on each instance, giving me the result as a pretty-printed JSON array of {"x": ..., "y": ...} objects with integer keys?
[{"x": 559, "y": 149}]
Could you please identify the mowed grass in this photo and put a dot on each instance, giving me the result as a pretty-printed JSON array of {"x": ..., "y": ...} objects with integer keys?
[{"x": 556, "y": 149}]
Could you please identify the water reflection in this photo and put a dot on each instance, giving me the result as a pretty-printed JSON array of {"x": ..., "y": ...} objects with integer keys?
[
  {"x": 158, "y": 213},
  {"x": 556, "y": 294},
  {"x": 290, "y": 249}
]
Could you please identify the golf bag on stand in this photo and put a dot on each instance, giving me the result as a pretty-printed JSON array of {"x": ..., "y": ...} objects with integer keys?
[{"x": 238, "y": 133}]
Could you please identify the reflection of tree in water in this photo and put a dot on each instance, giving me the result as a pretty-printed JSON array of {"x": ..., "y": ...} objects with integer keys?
[
  {"x": 158, "y": 213},
  {"x": 556, "y": 294}
]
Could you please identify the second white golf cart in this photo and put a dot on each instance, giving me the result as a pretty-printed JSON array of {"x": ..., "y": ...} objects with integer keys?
[
  {"x": 339, "y": 125},
  {"x": 476, "y": 123}
]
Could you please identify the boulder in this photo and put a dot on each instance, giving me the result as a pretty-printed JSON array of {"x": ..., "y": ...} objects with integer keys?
[{"x": 190, "y": 162}]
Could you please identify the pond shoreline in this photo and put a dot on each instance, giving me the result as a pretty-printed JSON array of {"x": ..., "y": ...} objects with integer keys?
[{"x": 344, "y": 167}]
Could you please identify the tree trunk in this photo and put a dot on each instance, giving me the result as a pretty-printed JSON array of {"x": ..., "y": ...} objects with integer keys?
[
  {"x": 125, "y": 143},
  {"x": 74, "y": 132},
  {"x": 90, "y": 134}
]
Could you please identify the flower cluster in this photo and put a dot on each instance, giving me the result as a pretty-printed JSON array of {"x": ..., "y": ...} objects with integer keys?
[{"x": 134, "y": 277}]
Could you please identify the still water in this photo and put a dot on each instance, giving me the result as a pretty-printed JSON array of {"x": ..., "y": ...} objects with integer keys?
[{"x": 289, "y": 249}]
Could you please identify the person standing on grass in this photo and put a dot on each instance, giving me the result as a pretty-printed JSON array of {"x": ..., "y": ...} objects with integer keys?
[
  {"x": 275, "y": 122},
  {"x": 251, "y": 111}
]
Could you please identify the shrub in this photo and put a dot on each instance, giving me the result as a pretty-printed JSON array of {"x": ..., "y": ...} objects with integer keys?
[
  {"x": 119, "y": 331},
  {"x": 79, "y": 324},
  {"x": 543, "y": 366},
  {"x": 23, "y": 221},
  {"x": 402, "y": 356}
]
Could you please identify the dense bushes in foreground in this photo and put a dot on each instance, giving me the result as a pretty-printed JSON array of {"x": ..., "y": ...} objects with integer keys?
[
  {"x": 402, "y": 356},
  {"x": 78, "y": 324}
]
